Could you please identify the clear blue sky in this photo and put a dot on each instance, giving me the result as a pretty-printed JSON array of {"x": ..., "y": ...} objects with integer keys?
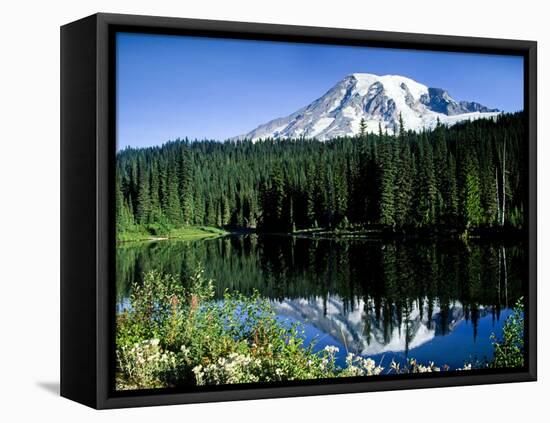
[{"x": 178, "y": 86}]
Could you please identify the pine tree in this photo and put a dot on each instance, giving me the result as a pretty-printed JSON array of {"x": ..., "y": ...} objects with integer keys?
[
  {"x": 371, "y": 181},
  {"x": 225, "y": 211},
  {"x": 163, "y": 185},
  {"x": 156, "y": 212},
  {"x": 472, "y": 211},
  {"x": 310, "y": 196},
  {"x": 199, "y": 205},
  {"x": 143, "y": 198},
  {"x": 387, "y": 182},
  {"x": 489, "y": 194},
  {"x": 119, "y": 200},
  {"x": 341, "y": 195},
  {"x": 442, "y": 176},
  {"x": 452, "y": 191},
  {"x": 273, "y": 199},
  {"x": 427, "y": 191},
  {"x": 210, "y": 211},
  {"x": 362, "y": 128},
  {"x": 321, "y": 196},
  {"x": 403, "y": 181},
  {"x": 173, "y": 209},
  {"x": 185, "y": 186},
  {"x": 246, "y": 211},
  {"x": 219, "y": 214}
]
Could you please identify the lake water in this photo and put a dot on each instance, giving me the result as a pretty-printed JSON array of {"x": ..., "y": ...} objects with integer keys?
[{"x": 433, "y": 301}]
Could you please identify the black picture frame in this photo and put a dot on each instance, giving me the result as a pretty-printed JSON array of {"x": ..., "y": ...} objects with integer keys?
[{"x": 87, "y": 213}]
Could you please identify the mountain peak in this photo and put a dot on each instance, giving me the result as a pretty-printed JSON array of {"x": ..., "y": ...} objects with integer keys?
[
  {"x": 376, "y": 99},
  {"x": 362, "y": 76}
]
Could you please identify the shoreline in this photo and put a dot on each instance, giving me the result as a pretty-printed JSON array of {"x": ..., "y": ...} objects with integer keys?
[
  {"x": 387, "y": 234},
  {"x": 184, "y": 233},
  {"x": 367, "y": 234}
]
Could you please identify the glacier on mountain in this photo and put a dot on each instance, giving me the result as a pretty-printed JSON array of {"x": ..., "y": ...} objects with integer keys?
[{"x": 379, "y": 100}]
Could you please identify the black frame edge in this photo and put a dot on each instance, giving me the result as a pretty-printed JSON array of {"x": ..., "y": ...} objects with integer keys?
[
  {"x": 78, "y": 217},
  {"x": 253, "y": 29},
  {"x": 531, "y": 310},
  {"x": 312, "y": 390}
]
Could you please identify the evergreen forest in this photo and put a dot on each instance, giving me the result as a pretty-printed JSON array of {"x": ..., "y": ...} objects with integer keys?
[{"x": 465, "y": 177}]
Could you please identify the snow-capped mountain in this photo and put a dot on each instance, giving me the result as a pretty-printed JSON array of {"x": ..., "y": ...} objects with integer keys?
[{"x": 377, "y": 100}]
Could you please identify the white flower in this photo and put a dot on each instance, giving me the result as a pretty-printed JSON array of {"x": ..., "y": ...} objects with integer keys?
[
  {"x": 369, "y": 363},
  {"x": 331, "y": 349}
]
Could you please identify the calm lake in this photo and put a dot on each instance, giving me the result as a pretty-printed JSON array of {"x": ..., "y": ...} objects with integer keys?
[{"x": 433, "y": 301}]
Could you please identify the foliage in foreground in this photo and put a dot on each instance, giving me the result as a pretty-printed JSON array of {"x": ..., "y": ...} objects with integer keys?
[
  {"x": 509, "y": 350},
  {"x": 171, "y": 335}
]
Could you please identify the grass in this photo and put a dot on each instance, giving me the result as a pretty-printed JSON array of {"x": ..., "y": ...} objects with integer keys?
[
  {"x": 137, "y": 233},
  {"x": 194, "y": 232},
  {"x": 141, "y": 233}
]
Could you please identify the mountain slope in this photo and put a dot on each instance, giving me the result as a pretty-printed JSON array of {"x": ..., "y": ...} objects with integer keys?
[{"x": 377, "y": 100}]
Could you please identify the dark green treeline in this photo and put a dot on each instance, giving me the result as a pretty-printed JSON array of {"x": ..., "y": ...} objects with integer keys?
[
  {"x": 466, "y": 176},
  {"x": 389, "y": 275}
]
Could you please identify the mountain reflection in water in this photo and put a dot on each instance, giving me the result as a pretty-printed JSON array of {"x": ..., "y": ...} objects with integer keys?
[
  {"x": 359, "y": 331},
  {"x": 433, "y": 301}
]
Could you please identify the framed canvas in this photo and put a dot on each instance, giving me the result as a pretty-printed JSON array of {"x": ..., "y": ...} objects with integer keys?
[{"x": 257, "y": 211}]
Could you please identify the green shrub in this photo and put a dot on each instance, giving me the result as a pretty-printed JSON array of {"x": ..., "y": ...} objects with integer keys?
[
  {"x": 509, "y": 350},
  {"x": 197, "y": 340},
  {"x": 171, "y": 335}
]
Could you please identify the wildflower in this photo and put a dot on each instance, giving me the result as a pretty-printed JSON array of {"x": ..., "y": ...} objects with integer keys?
[
  {"x": 185, "y": 350},
  {"x": 331, "y": 349}
]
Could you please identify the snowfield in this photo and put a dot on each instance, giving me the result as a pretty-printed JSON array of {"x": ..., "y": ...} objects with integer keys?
[{"x": 379, "y": 100}]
